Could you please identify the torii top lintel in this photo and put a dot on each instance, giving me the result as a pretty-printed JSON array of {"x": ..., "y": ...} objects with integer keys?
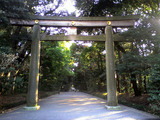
[{"x": 54, "y": 21}]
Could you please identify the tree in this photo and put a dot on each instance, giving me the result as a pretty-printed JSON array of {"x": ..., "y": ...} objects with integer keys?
[
  {"x": 133, "y": 61},
  {"x": 154, "y": 89},
  {"x": 91, "y": 64},
  {"x": 56, "y": 67},
  {"x": 16, "y": 41},
  {"x": 14, "y": 47},
  {"x": 117, "y": 7}
]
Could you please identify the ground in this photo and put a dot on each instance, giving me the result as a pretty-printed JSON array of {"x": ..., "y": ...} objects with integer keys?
[
  {"x": 128, "y": 98},
  {"x": 143, "y": 100},
  {"x": 10, "y": 101},
  {"x": 140, "y": 102},
  {"x": 76, "y": 106}
]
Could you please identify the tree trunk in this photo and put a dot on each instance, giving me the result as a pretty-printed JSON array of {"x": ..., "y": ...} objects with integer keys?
[
  {"x": 14, "y": 42},
  {"x": 122, "y": 76},
  {"x": 134, "y": 83},
  {"x": 125, "y": 84},
  {"x": 140, "y": 83},
  {"x": 145, "y": 85},
  {"x": 1, "y": 88},
  {"x": 101, "y": 61},
  {"x": 13, "y": 85},
  {"x": 117, "y": 80}
]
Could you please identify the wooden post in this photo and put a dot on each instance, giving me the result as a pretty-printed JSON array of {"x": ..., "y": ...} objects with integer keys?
[
  {"x": 110, "y": 70},
  {"x": 32, "y": 96}
]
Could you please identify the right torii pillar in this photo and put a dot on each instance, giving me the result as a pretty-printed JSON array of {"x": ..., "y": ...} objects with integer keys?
[{"x": 112, "y": 101}]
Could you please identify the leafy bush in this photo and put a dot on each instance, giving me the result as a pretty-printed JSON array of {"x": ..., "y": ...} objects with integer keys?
[{"x": 154, "y": 85}]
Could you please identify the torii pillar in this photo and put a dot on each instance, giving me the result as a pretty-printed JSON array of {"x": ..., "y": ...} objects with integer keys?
[
  {"x": 32, "y": 95},
  {"x": 112, "y": 101}
]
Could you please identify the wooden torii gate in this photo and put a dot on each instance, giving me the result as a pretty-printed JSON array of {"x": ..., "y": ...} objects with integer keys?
[{"x": 47, "y": 21}]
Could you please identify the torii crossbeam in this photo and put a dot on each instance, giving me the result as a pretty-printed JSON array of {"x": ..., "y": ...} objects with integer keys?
[
  {"x": 53, "y": 21},
  {"x": 108, "y": 22}
]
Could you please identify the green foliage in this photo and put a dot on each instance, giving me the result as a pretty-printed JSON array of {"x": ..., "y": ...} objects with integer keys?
[
  {"x": 135, "y": 62},
  {"x": 117, "y": 7},
  {"x": 56, "y": 65},
  {"x": 19, "y": 84},
  {"x": 14, "y": 9},
  {"x": 154, "y": 85},
  {"x": 91, "y": 64},
  {"x": 98, "y": 7},
  {"x": 14, "y": 45},
  {"x": 131, "y": 63}
]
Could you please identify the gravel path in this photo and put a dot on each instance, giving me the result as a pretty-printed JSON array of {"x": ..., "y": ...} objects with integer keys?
[{"x": 76, "y": 106}]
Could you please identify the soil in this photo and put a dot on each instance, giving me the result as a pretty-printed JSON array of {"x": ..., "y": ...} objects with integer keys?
[
  {"x": 141, "y": 100},
  {"x": 137, "y": 102},
  {"x": 10, "y": 101}
]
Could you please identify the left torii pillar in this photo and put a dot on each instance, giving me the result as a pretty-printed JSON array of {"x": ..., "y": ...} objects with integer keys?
[{"x": 32, "y": 95}]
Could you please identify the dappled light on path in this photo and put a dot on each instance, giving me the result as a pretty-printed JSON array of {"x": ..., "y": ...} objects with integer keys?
[{"x": 75, "y": 106}]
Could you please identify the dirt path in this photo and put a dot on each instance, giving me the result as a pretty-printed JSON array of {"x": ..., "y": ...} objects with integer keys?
[{"x": 76, "y": 106}]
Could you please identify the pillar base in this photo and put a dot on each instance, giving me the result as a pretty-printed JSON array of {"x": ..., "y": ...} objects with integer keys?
[
  {"x": 113, "y": 107},
  {"x": 32, "y": 108}
]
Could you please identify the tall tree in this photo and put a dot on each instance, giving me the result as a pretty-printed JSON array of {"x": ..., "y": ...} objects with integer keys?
[{"x": 56, "y": 66}]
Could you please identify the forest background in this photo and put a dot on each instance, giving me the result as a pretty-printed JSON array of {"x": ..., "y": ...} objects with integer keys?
[{"x": 82, "y": 65}]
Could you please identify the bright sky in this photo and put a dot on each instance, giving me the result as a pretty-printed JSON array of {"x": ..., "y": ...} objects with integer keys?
[
  {"x": 66, "y": 6},
  {"x": 68, "y": 44},
  {"x": 69, "y": 6}
]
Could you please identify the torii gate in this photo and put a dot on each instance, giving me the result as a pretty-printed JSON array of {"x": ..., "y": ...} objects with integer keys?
[{"x": 108, "y": 22}]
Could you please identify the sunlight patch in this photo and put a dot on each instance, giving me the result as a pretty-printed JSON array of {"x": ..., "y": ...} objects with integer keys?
[{"x": 68, "y": 44}]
